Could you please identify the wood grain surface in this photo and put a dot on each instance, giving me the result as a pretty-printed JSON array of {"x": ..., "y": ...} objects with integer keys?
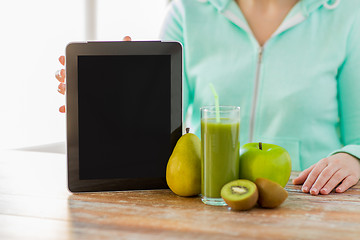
[{"x": 35, "y": 204}]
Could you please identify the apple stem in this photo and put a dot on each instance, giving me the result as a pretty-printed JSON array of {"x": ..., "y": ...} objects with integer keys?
[
  {"x": 187, "y": 130},
  {"x": 260, "y": 145}
]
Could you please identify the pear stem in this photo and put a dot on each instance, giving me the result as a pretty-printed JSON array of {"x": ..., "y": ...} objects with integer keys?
[
  {"x": 187, "y": 130},
  {"x": 260, "y": 145}
]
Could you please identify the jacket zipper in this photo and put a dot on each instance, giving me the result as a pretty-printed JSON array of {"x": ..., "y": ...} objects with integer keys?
[
  {"x": 255, "y": 94},
  {"x": 289, "y": 23}
]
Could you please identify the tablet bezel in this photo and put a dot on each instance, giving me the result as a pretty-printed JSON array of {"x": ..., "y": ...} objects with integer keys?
[{"x": 73, "y": 50}]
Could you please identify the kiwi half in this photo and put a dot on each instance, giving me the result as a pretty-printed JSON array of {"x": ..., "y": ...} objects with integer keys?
[
  {"x": 271, "y": 194},
  {"x": 240, "y": 194}
]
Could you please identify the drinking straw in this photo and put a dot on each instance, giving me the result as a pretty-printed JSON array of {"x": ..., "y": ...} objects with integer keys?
[{"x": 216, "y": 97}]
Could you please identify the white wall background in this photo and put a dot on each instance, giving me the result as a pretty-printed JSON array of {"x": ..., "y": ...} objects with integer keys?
[{"x": 33, "y": 34}]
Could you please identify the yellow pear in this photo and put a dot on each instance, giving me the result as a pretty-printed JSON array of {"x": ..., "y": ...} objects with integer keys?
[{"x": 183, "y": 171}]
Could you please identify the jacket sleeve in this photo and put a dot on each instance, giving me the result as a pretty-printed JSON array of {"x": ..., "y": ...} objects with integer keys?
[
  {"x": 173, "y": 30},
  {"x": 349, "y": 94}
]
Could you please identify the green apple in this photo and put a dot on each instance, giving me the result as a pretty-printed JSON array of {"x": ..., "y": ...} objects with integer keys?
[{"x": 264, "y": 160}]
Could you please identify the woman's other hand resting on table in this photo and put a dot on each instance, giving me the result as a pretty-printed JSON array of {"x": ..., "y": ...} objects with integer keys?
[{"x": 340, "y": 171}]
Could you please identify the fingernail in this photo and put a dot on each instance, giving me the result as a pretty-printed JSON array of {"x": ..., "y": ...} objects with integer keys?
[
  {"x": 313, "y": 191},
  {"x": 338, "y": 189},
  {"x": 323, "y": 191},
  {"x": 305, "y": 189}
]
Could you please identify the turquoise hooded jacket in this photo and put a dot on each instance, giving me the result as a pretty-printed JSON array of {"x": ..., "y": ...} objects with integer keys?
[{"x": 300, "y": 90}]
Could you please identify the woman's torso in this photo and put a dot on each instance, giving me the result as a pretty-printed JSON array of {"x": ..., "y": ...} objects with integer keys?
[{"x": 287, "y": 89}]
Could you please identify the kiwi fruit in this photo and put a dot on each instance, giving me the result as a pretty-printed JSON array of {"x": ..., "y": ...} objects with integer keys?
[
  {"x": 240, "y": 194},
  {"x": 271, "y": 194}
]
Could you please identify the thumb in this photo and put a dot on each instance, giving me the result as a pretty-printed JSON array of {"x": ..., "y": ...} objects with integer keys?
[{"x": 127, "y": 38}]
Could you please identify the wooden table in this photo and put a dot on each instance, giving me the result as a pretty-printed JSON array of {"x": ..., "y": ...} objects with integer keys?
[{"x": 35, "y": 204}]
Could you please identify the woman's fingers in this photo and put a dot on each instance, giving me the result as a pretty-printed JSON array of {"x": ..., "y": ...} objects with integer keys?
[
  {"x": 127, "y": 38},
  {"x": 347, "y": 183},
  {"x": 62, "y": 109},
  {"x": 313, "y": 175},
  {"x": 333, "y": 182},
  {"x": 303, "y": 175},
  {"x": 62, "y": 60},
  {"x": 60, "y": 75},
  {"x": 323, "y": 178},
  {"x": 62, "y": 88}
]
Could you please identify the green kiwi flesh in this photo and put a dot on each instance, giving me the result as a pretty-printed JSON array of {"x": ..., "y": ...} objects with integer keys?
[
  {"x": 271, "y": 194},
  {"x": 240, "y": 194}
]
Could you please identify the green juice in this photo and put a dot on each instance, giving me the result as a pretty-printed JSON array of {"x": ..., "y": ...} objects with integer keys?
[{"x": 220, "y": 154}]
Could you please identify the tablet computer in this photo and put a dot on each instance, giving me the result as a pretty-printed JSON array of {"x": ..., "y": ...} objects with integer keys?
[{"x": 124, "y": 113}]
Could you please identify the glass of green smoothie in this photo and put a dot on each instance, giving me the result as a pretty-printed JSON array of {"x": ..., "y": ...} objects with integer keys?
[{"x": 220, "y": 132}]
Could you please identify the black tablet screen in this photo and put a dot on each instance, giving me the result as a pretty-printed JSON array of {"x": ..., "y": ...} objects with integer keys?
[{"x": 124, "y": 116}]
